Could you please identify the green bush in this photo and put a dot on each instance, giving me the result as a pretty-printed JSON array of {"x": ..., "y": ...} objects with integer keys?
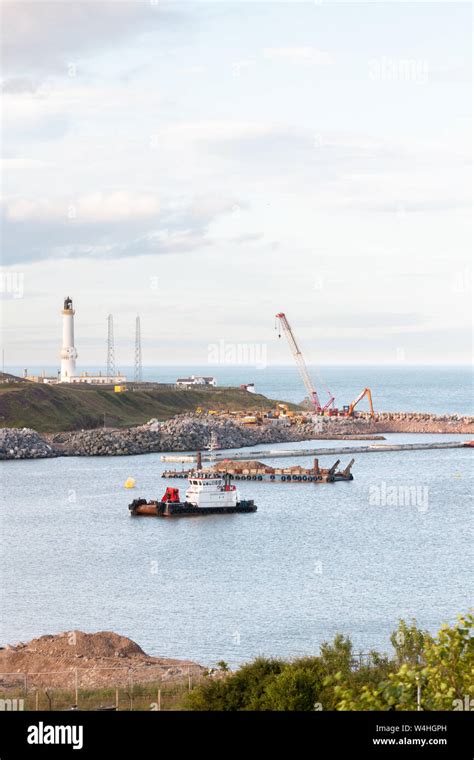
[
  {"x": 438, "y": 671},
  {"x": 243, "y": 690}
]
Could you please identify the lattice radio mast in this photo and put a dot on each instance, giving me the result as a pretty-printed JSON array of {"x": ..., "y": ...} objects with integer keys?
[
  {"x": 110, "y": 347},
  {"x": 138, "y": 352}
]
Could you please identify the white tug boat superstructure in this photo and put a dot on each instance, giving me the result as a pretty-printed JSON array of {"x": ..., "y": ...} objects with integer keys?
[{"x": 206, "y": 494}]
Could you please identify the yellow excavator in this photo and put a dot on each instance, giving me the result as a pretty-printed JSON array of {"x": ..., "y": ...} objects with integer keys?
[
  {"x": 349, "y": 410},
  {"x": 281, "y": 410}
]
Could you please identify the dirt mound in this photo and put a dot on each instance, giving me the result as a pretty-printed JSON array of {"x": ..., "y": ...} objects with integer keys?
[
  {"x": 101, "y": 644},
  {"x": 242, "y": 464},
  {"x": 97, "y": 660}
]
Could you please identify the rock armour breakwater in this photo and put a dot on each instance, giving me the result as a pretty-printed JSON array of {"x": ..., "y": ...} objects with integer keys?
[
  {"x": 191, "y": 432},
  {"x": 183, "y": 433},
  {"x": 406, "y": 422},
  {"x": 23, "y": 443}
]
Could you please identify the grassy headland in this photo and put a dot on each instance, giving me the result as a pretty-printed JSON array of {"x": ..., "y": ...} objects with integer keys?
[{"x": 57, "y": 408}]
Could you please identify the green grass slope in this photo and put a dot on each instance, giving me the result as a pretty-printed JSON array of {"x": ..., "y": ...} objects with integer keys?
[{"x": 55, "y": 408}]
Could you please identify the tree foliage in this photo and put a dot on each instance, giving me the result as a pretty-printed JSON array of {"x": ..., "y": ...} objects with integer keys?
[
  {"x": 439, "y": 676},
  {"x": 408, "y": 642},
  {"x": 437, "y": 672}
]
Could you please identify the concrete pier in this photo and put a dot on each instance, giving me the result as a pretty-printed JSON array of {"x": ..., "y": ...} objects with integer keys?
[{"x": 274, "y": 453}]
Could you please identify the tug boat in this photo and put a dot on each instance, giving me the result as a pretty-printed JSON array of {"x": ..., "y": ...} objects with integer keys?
[{"x": 206, "y": 495}]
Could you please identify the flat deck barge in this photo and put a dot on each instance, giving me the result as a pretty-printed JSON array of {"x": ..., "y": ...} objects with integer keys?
[{"x": 257, "y": 471}]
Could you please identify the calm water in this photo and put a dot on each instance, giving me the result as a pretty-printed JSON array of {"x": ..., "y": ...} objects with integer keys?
[
  {"x": 310, "y": 562},
  {"x": 395, "y": 388}
]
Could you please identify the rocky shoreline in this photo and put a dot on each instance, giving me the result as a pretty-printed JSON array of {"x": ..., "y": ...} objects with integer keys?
[
  {"x": 24, "y": 443},
  {"x": 190, "y": 432}
]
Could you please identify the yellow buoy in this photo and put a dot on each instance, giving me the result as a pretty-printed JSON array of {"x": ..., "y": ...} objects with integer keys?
[{"x": 130, "y": 483}]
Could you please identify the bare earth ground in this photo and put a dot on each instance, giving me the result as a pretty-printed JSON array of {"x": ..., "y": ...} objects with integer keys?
[{"x": 102, "y": 660}]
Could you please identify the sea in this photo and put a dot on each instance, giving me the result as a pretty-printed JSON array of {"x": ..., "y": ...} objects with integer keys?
[
  {"x": 314, "y": 560},
  {"x": 399, "y": 387}
]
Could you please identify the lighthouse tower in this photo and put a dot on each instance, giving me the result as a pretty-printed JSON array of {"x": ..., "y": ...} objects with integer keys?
[{"x": 68, "y": 350}]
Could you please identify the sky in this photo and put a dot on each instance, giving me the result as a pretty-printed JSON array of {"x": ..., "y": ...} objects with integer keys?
[{"x": 207, "y": 165}]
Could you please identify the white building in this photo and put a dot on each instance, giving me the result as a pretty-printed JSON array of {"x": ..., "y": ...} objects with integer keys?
[
  {"x": 99, "y": 379},
  {"x": 46, "y": 379},
  {"x": 188, "y": 382}
]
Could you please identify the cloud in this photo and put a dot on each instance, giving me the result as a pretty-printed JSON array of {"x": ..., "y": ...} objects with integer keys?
[
  {"x": 276, "y": 144},
  {"x": 339, "y": 170},
  {"x": 301, "y": 56},
  {"x": 19, "y": 86},
  {"x": 409, "y": 205},
  {"x": 56, "y": 108},
  {"x": 45, "y": 36},
  {"x": 347, "y": 321},
  {"x": 106, "y": 225},
  {"x": 246, "y": 237},
  {"x": 90, "y": 209},
  {"x": 23, "y": 164},
  {"x": 372, "y": 320}
]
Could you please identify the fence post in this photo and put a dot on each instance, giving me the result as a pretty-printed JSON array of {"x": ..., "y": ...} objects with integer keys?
[
  {"x": 159, "y": 699},
  {"x": 37, "y": 700},
  {"x": 130, "y": 687},
  {"x": 76, "y": 688},
  {"x": 116, "y": 698}
]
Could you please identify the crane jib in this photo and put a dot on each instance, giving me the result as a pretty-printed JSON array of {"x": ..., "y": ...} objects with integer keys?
[
  {"x": 298, "y": 356},
  {"x": 313, "y": 395}
]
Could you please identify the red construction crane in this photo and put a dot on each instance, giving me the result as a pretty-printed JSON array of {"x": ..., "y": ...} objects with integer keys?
[{"x": 295, "y": 349}]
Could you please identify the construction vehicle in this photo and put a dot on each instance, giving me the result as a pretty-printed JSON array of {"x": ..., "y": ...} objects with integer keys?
[
  {"x": 280, "y": 412},
  {"x": 120, "y": 388},
  {"x": 349, "y": 410},
  {"x": 283, "y": 411},
  {"x": 171, "y": 494},
  {"x": 252, "y": 419},
  {"x": 298, "y": 356}
]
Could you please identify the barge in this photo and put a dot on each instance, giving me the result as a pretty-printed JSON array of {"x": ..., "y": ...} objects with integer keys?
[
  {"x": 206, "y": 495},
  {"x": 257, "y": 471}
]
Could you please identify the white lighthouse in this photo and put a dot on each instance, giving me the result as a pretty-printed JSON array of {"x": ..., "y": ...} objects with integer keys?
[{"x": 68, "y": 350}]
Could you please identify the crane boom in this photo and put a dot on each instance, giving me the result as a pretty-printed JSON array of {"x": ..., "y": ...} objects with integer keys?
[{"x": 295, "y": 349}]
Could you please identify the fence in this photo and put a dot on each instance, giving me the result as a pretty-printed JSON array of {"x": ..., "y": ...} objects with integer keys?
[{"x": 82, "y": 689}]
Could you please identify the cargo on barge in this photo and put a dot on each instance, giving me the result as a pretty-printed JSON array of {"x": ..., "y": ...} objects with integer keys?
[{"x": 257, "y": 471}]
